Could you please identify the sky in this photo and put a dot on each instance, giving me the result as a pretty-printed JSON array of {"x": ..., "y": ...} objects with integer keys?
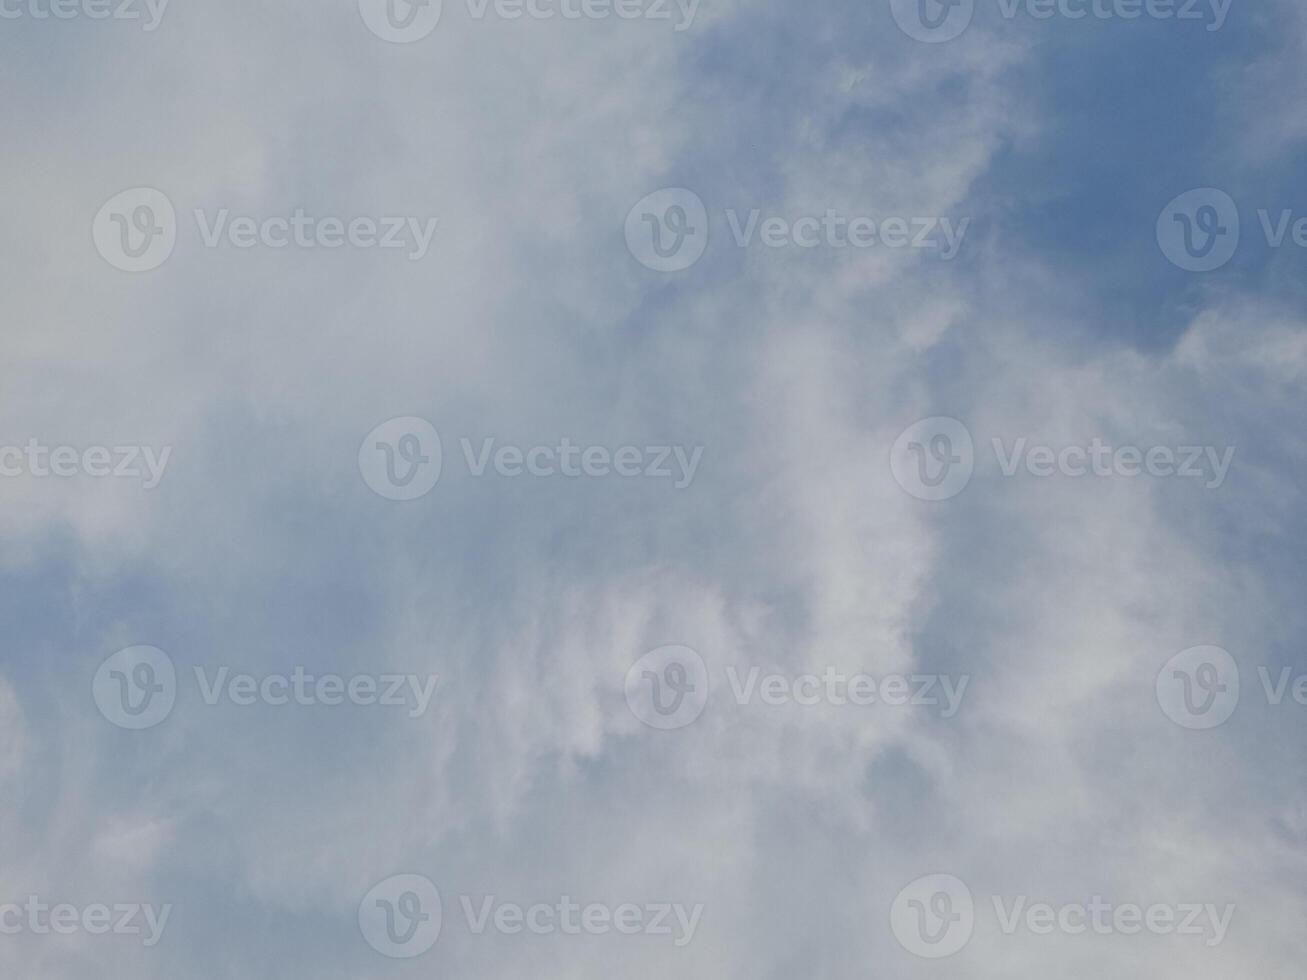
[{"x": 734, "y": 489}]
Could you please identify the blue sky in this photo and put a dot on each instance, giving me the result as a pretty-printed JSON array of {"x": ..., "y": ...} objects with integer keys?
[{"x": 801, "y": 543}]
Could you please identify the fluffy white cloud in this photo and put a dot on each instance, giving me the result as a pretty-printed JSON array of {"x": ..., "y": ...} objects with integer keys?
[{"x": 793, "y": 550}]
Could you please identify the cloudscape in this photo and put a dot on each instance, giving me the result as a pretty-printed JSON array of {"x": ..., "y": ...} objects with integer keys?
[{"x": 653, "y": 488}]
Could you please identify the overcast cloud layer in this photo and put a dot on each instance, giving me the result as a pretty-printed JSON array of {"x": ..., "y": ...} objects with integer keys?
[{"x": 1036, "y": 457}]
